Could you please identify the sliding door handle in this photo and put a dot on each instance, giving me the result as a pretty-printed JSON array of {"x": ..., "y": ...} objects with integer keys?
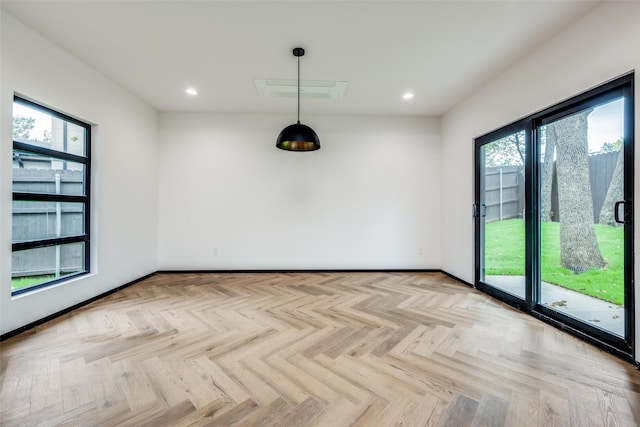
[
  {"x": 627, "y": 214},
  {"x": 479, "y": 210}
]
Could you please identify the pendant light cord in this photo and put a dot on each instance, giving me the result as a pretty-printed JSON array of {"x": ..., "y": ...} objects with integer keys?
[{"x": 298, "y": 89}]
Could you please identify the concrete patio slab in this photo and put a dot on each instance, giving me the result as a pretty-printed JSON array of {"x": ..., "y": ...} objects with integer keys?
[{"x": 594, "y": 311}]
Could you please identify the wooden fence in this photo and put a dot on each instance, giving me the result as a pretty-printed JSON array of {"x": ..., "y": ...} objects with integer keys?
[
  {"x": 601, "y": 167},
  {"x": 504, "y": 193},
  {"x": 43, "y": 220},
  {"x": 504, "y": 188}
]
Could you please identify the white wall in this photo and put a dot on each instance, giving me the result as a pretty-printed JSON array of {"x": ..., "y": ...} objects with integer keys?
[
  {"x": 124, "y": 169},
  {"x": 601, "y": 46},
  {"x": 230, "y": 200}
]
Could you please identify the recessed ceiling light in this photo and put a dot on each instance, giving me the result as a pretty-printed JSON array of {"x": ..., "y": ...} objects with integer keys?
[
  {"x": 191, "y": 91},
  {"x": 407, "y": 95}
]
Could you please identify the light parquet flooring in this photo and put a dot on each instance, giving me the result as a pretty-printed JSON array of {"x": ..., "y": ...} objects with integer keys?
[{"x": 308, "y": 349}]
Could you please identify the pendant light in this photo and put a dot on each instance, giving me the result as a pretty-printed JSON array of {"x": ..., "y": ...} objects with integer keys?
[{"x": 298, "y": 137}]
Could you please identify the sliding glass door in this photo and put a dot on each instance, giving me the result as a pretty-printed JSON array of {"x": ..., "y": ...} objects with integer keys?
[
  {"x": 500, "y": 210},
  {"x": 582, "y": 232},
  {"x": 553, "y": 209}
]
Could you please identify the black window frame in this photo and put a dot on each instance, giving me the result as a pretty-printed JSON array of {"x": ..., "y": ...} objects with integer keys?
[{"x": 85, "y": 199}]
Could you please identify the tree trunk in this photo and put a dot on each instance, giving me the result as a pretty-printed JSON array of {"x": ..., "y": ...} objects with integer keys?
[
  {"x": 579, "y": 249},
  {"x": 614, "y": 193},
  {"x": 547, "y": 174}
]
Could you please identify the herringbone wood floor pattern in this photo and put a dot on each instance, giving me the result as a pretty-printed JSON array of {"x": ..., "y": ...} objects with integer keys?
[{"x": 319, "y": 349}]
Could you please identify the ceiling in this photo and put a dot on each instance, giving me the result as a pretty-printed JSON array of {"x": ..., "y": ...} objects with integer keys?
[{"x": 442, "y": 51}]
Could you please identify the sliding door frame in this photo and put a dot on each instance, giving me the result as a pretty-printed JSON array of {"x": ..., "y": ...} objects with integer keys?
[
  {"x": 479, "y": 212},
  {"x": 620, "y": 87}
]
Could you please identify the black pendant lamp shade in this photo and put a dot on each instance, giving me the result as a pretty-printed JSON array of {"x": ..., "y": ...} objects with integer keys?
[{"x": 298, "y": 137}]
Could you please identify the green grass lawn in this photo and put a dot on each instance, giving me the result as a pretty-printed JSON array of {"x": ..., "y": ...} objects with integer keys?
[
  {"x": 504, "y": 255},
  {"x": 23, "y": 282}
]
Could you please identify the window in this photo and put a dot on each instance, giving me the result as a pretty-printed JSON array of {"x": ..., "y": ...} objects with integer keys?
[{"x": 50, "y": 221}]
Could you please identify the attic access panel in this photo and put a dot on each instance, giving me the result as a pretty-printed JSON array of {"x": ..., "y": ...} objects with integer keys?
[{"x": 288, "y": 88}]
